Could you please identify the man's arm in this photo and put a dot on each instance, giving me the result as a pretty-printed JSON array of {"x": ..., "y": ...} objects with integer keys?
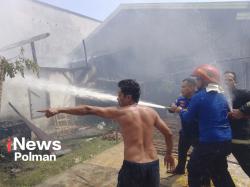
[
  {"x": 164, "y": 129},
  {"x": 105, "y": 112},
  {"x": 242, "y": 113},
  {"x": 245, "y": 95},
  {"x": 246, "y": 108},
  {"x": 173, "y": 106}
]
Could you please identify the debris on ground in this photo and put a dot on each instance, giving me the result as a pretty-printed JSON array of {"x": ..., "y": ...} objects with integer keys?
[
  {"x": 101, "y": 125},
  {"x": 89, "y": 139},
  {"x": 113, "y": 136}
]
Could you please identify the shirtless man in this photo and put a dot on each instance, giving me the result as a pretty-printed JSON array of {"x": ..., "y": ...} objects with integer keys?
[{"x": 141, "y": 165}]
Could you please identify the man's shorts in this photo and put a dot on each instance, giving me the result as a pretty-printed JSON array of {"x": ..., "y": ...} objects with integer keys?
[{"x": 134, "y": 174}]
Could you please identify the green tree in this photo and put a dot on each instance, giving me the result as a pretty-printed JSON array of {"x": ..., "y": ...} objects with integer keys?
[{"x": 11, "y": 67}]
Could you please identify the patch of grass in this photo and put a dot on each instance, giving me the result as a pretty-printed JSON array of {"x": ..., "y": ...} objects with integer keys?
[{"x": 35, "y": 172}]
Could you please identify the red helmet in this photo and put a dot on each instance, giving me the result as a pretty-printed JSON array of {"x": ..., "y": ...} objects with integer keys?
[{"x": 207, "y": 73}]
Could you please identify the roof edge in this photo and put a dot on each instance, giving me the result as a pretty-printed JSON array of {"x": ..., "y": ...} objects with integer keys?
[
  {"x": 172, "y": 5},
  {"x": 188, "y": 5},
  {"x": 64, "y": 10},
  {"x": 99, "y": 27}
]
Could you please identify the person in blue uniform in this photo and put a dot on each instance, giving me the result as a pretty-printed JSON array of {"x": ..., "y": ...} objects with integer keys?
[
  {"x": 210, "y": 107},
  {"x": 188, "y": 134}
]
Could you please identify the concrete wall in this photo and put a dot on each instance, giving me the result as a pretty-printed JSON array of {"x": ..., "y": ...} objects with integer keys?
[{"x": 23, "y": 19}]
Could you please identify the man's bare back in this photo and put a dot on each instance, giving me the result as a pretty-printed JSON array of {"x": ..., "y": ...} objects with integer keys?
[{"x": 137, "y": 126}]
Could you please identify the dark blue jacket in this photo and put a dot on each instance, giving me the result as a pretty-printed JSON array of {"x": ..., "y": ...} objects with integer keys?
[
  {"x": 190, "y": 129},
  {"x": 210, "y": 108}
]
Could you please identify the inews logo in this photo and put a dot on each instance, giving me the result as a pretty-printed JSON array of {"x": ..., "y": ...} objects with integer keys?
[
  {"x": 9, "y": 143},
  {"x": 23, "y": 145}
]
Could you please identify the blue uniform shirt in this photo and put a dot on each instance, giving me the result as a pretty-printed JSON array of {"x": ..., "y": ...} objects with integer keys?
[
  {"x": 210, "y": 108},
  {"x": 183, "y": 102},
  {"x": 189, "y": 129}
]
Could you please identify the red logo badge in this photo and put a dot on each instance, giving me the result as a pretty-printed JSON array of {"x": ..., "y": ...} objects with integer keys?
[{"x": 9, "y": 143}]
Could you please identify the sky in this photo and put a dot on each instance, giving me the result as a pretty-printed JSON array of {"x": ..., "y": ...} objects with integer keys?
[{"x": 101, "y": 9}]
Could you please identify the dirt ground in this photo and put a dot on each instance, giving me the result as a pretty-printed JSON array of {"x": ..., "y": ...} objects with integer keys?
[{"x": 101, "y": 171}]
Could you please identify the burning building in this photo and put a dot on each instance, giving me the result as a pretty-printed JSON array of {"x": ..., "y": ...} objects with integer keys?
[{"x": 160, "y": 44}]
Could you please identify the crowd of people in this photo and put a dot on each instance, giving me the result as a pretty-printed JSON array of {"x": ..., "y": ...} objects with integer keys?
[{"x": 209, "y": 125}]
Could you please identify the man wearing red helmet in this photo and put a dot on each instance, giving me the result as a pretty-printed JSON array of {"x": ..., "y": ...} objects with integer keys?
[{"x": 210, "y": 108}]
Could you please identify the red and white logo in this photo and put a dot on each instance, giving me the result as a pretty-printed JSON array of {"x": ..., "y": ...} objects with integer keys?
[{"x": 9, "y": 143}]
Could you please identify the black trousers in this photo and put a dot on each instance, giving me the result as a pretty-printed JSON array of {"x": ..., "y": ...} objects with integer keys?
[
  {"x": 242, "y": 154},
  {"x": 209, "y": 159},
  {"x": 139, "y": 174},
  {"x": 184, "y": 145}
]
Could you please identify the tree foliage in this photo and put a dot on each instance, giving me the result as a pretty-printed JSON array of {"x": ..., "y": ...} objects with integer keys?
[{"x": 10, "y": 67}]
